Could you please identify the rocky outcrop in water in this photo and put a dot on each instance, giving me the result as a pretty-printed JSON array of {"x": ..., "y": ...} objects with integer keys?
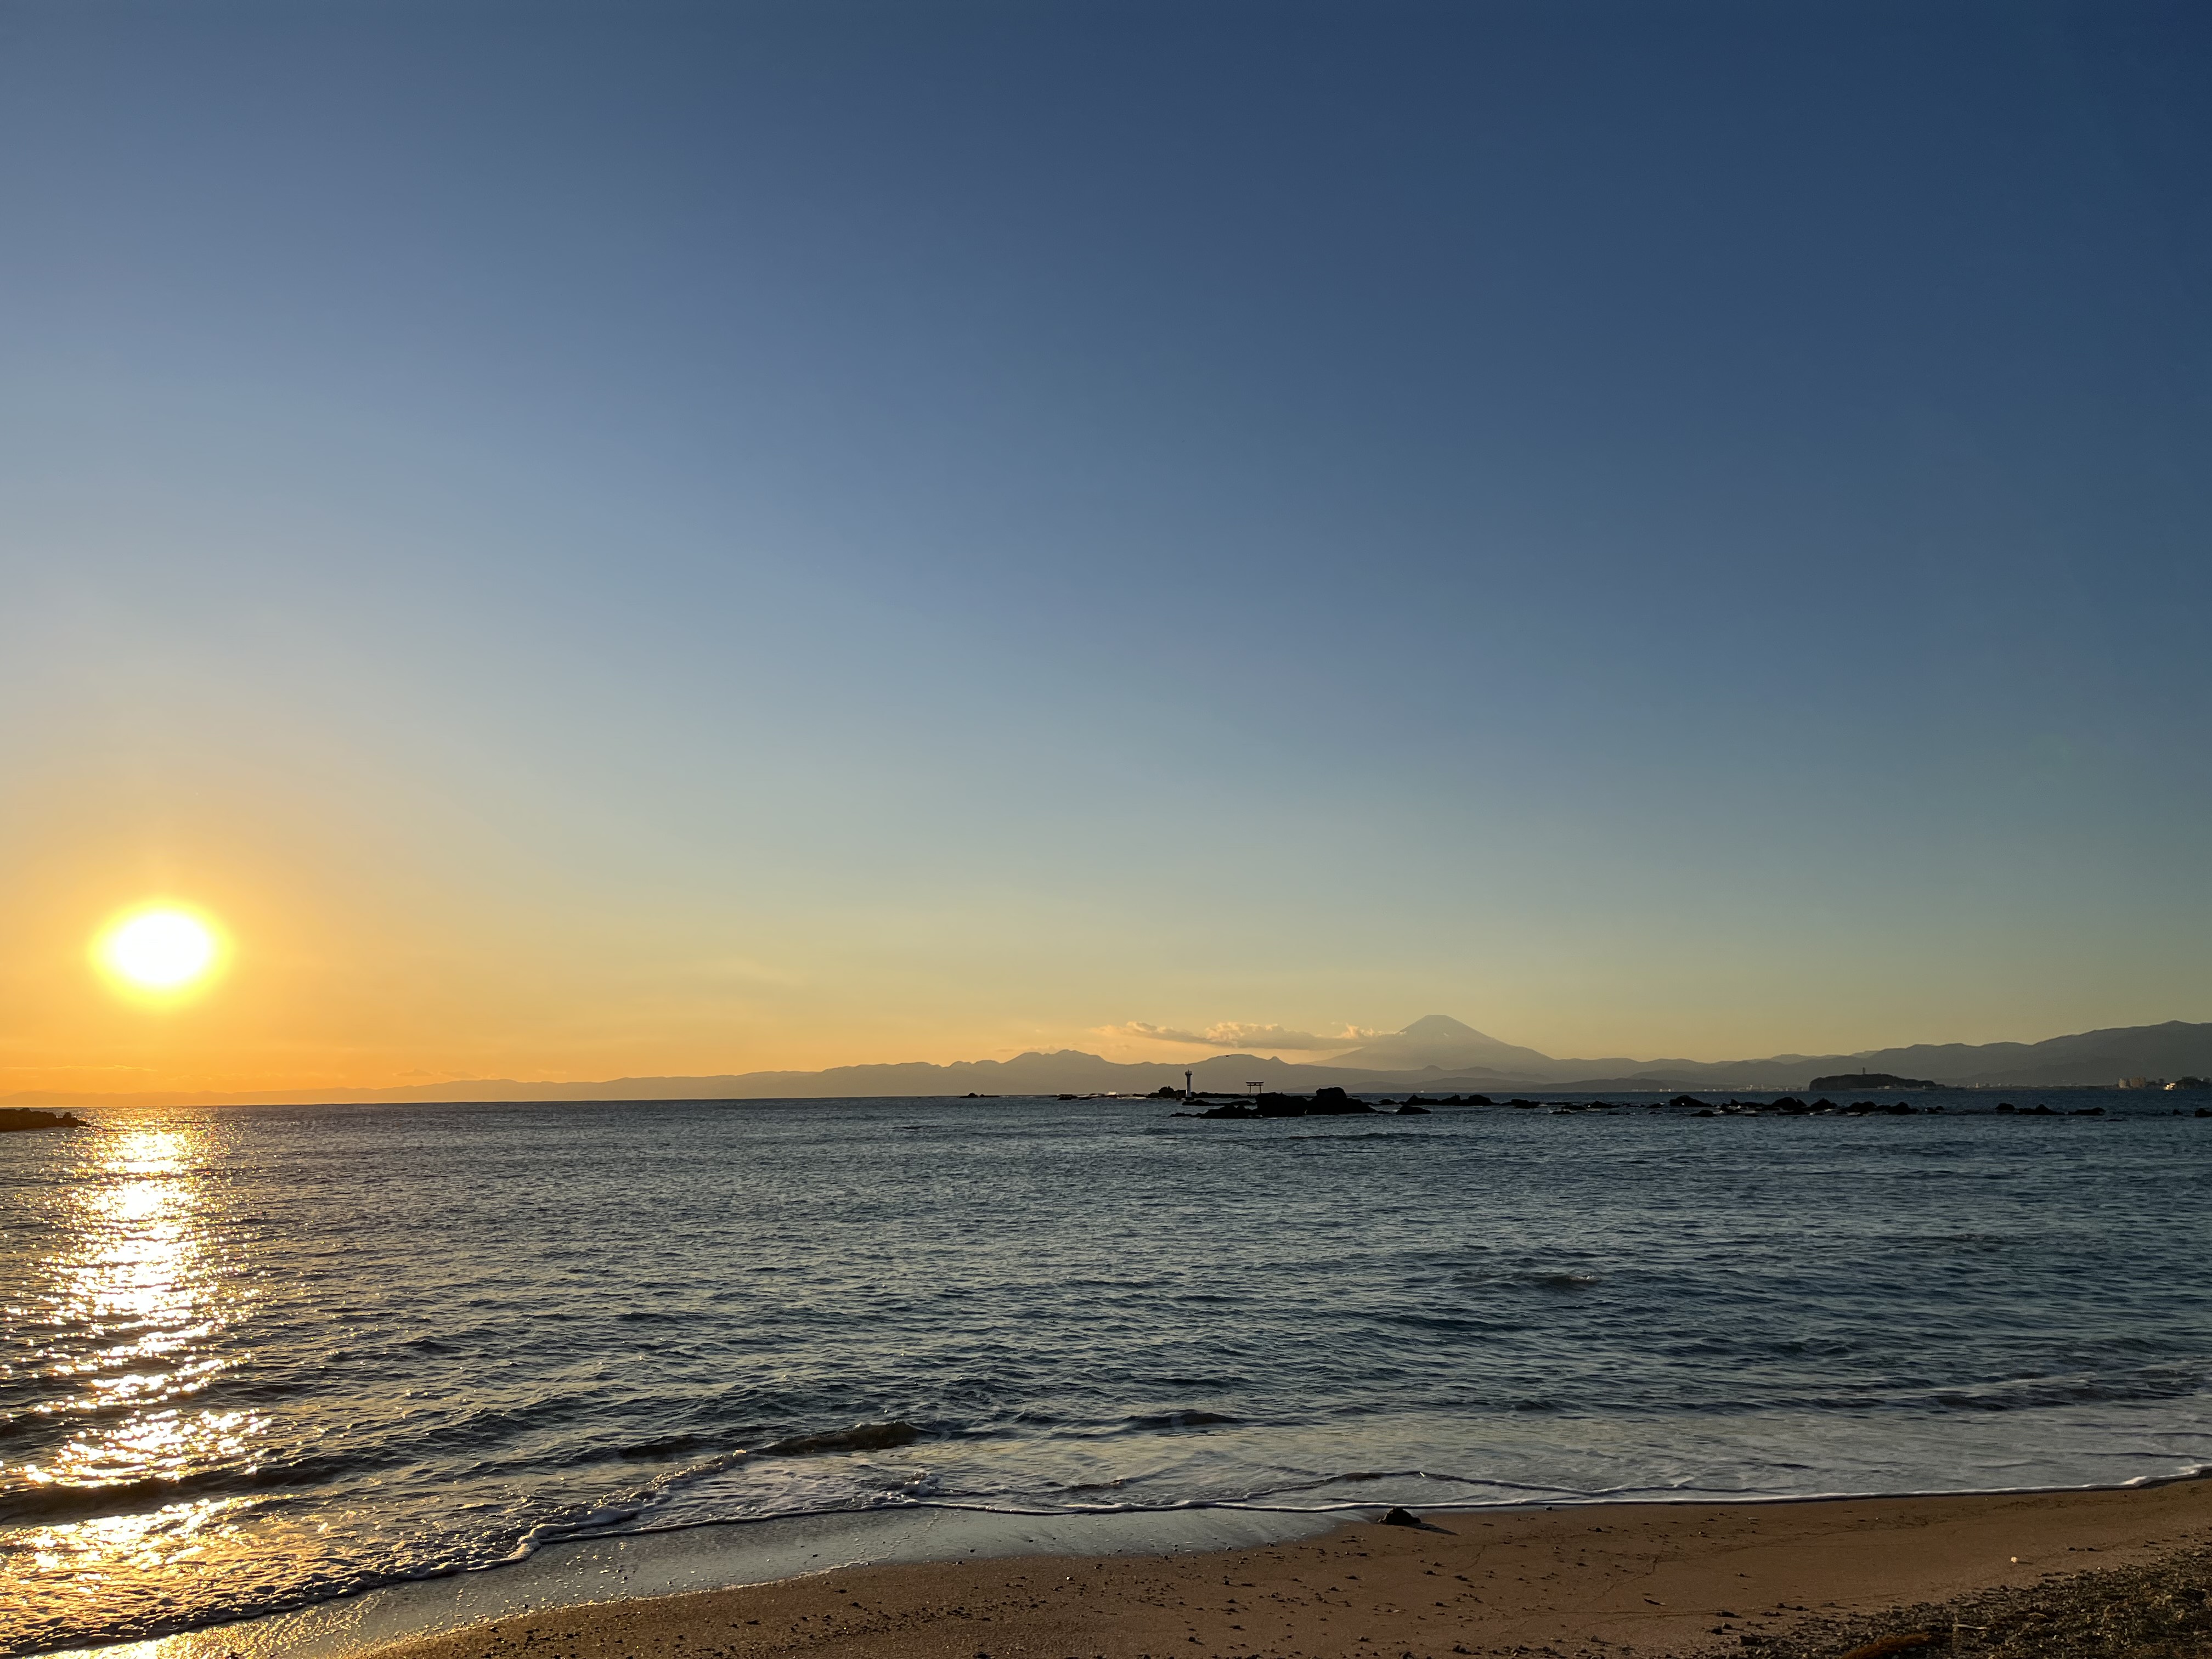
[
  {"x": 1323, "y": 1102},
  {"x": 13, "y": 1118}
]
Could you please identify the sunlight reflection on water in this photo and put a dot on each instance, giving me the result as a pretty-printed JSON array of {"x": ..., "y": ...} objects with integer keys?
[
  {"x": 126, "y": 1286},
  {"x": 141, "y": 1298}
]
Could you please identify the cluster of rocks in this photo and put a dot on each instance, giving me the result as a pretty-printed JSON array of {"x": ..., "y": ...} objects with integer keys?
[
  {"x": 1334, "y": 1102},
  {"x": 22, "y": 1117},
  {"x": 1323, "y": 1102},
  {"x": 1790, "y": 1106}
]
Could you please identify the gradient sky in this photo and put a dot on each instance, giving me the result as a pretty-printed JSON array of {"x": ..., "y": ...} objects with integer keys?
[{"x": 646, "y": 539}]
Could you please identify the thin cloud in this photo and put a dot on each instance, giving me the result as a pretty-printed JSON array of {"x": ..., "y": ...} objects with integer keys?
[{"x": 1235, "y": 1034}]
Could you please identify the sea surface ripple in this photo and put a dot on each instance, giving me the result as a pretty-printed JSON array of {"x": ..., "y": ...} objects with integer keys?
[{"x": 253, "y": 1358}]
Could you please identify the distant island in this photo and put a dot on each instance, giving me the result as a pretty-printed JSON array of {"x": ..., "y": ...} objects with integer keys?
[{"x": 1870, "y": 1080}]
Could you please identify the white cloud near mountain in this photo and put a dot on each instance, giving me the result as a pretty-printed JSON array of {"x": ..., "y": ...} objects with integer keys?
[{"x": 1235, "y": 1034}]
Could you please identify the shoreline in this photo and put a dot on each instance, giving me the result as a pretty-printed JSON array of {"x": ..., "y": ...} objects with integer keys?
[
  {"x": 1614, "y": 1576},
  {"x": 1627, "y": 1578}
]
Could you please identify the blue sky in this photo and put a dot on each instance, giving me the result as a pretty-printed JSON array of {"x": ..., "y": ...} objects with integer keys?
[{"x": 634, "y": 538}]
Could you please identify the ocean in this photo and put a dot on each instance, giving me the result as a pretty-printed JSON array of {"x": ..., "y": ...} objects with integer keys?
[{"x": 257, "y": 1358}]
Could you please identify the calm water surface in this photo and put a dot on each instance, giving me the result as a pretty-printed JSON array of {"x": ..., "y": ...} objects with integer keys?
[{"x": 257, "y": 1357}]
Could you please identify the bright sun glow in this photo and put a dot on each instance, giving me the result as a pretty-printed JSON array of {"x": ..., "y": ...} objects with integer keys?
[{"x": 160, "y": 950}]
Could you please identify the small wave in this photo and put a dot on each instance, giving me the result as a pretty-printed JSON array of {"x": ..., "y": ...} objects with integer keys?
[
  {"x": 1523, "y": 1492},
  {"x": 861, "y": 1437},
  {"x": 1542, "y": 1278},
  {"x": 2026, "y": 1392},
  {"x": 606, "y": 1517},
  {"x": 1187, "y": 1420},
  {"x": 57, "y": 1501},
  {"x": 674, "y": 1445}
]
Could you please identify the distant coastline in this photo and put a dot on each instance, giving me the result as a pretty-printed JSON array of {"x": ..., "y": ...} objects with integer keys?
[{"x": 1435, "y": 1054}]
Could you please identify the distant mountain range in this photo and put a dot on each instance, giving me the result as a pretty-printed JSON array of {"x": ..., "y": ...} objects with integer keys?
[{"x": 1436, "y": 1054}]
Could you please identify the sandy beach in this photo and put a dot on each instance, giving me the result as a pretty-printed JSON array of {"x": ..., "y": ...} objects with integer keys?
[{"x": 1614, "y": 1579}]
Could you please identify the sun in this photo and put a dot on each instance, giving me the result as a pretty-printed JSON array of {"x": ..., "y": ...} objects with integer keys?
[{"x": 160, "y": 948}]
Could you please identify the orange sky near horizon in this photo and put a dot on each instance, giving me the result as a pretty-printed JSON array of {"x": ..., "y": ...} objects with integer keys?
[{"x": 371, "y": 954}]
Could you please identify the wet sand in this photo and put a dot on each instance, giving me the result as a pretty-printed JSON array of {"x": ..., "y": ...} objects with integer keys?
[{"x": 1653, "y": 1578}]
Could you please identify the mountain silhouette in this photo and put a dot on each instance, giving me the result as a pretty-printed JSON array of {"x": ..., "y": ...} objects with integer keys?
[
  {"x": 1440, "y": 1041},
  {"x": 1435, "y": 1053}
]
